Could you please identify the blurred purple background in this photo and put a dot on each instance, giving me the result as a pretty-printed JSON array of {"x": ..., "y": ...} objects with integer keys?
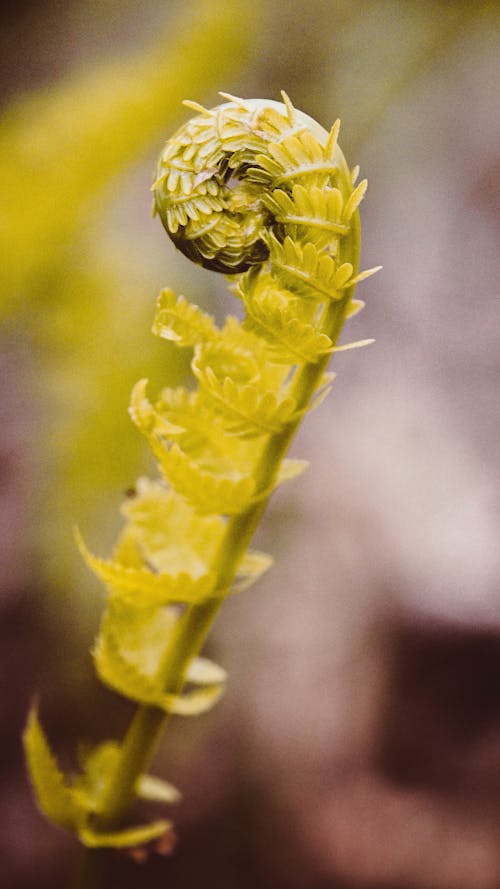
[{"x": 358, "y": 744}]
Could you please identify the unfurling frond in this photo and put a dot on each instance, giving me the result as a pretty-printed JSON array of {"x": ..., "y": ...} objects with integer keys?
[{"x": 256, "y": 190}]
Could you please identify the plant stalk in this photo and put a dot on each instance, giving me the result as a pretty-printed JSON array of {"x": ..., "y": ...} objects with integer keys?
[{"x": 191, "y": 629}]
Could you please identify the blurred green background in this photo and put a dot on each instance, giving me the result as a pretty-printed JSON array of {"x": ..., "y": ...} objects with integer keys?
[{"x": 358, "y": 744}]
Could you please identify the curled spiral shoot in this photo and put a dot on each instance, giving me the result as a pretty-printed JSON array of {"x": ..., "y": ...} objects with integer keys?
[
  {"x": 259, "y": 191},
  {"x": 235, "y": 175}
]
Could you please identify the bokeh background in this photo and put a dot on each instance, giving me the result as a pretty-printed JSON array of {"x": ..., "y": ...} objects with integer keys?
[{"x": 358, "y": 744}]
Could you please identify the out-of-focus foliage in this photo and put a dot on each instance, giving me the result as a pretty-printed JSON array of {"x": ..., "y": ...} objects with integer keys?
[
  {"x": 62, "y": 146},
  {"x": 66, "y": 154}
]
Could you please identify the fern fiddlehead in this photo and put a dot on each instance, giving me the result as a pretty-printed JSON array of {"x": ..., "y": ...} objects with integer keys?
[{"x": 259, "y": 191}]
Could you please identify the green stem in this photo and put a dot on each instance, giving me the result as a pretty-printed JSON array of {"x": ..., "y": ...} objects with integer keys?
[{"x": 92, "y": 870}]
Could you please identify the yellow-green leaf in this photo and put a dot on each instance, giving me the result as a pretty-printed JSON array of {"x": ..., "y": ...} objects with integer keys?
[
  {"x": 98, "y": 765},
  {"x": 129, "y": 680},
  {"x": 194, "y": 702},
  {"x": 203, "y": 671},
  {"x": 291, "y": 468},
  {"x": 208, "y": 492},
  {"x": 123, "y": 839},
  {"x": 253, "y": 565},
  {"x": 157, "y": 790},
  {"x": 54, "y": 795},
  {"x": 143, "y": 588},
  {"x": 179, "y": 320}
]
